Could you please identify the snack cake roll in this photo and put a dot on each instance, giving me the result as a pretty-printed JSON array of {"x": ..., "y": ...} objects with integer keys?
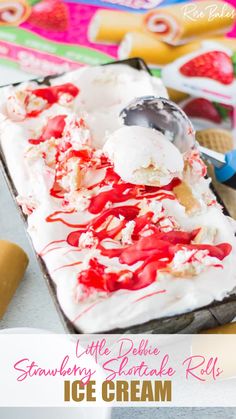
[
  {"x": 225, "y": 329},
  {"x": 152, "y": 50},
  {"x": 108, "y": 26},
  {"x": 13, "y": 263},
  {"x": 188, "y": 21},
  {"x": 14, "y": 12}
]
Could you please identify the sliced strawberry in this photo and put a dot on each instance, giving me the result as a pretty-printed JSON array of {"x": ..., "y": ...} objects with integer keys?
[
  {"x": 52, "y": 94},
  {"x": 216, "y": 65},
  {"x": 50, "y": 15},
  {"x": 202, "y": 108}
]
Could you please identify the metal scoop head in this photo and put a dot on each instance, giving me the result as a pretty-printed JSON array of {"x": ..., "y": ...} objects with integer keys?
[{"x": 165, "y": 116}]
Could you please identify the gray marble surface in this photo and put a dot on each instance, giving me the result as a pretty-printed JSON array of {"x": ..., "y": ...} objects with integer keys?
[
  {"x": 174, "y": 413},
  {"x": 121, "y": 413}
]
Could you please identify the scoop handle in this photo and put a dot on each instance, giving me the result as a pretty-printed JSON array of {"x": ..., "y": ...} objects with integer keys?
[{"x": 227, "y": 173}]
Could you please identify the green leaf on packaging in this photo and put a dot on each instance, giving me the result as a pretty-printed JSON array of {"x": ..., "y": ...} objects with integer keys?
[
  {"x": 222, "y": 110},
  {"x": 156, "y": 72},
  {"x": 234, "y": 62},
  {"x": 33, "y": 2}
]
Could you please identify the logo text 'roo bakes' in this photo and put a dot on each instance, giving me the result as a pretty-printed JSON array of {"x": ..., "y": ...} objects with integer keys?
[{"x": 193, "y": 11}]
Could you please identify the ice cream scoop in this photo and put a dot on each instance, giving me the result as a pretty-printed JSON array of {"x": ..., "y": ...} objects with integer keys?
[
  {"x": 166, "y": 117},
  {"x": 142, "y": 156}
]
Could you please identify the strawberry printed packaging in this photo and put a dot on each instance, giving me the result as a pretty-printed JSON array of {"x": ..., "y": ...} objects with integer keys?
[
  {"x": 205, "y": 113},
  {"x": 190, "y": 43},
  {"x": 215, "y": 65},
  {"x": 209, "y": 77},
  {"x": 208, "y": 72},
  {"x": 52, "y": 36},
  {"x": 52, "y": 15}
]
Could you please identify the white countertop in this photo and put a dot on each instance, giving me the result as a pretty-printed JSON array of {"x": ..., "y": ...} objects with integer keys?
[{"x": 32, "y": 305}]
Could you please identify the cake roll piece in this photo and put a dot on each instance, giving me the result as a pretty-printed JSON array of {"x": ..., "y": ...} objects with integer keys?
[
  {"x": 226, "y": 329},
  {"x": 157, "y": 52},
  {"x": 186, "y": 198},
  {"x": 14, "y": 12},
  {"x": 184, "y": 22},
  {"x": 13, "y": 263},
  {"x": 108, "y": 26},
  {"x": 152, "y": 50}
]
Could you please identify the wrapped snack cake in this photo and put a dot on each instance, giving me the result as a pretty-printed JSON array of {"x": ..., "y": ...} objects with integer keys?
[{"x": 126, "y": 224}]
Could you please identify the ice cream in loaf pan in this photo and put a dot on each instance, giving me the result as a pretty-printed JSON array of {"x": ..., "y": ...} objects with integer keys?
[{"x": 126, "y": 225}]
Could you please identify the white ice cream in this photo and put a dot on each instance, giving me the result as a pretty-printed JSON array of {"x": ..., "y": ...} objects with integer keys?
[
  {"x": 107, "y": 86},
  {"x": 144, "y": 156},
  {"x": 103, "y": 93}
]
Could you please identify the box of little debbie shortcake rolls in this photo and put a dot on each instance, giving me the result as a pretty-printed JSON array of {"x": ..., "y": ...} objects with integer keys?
[
  {"x": 206, "y": 76},
  {"x": 191, "y": 44}
]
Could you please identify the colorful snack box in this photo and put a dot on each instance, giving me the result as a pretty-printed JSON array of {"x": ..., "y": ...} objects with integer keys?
[
  {"x": 191, "y": 44},
  {"x": 53, "y": 36}
]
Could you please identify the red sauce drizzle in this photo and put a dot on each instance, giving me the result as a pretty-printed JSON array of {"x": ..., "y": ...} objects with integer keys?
[
  {"x": 154, "y": 250},
  {"x": 155, "y": 260},
  {"x": 51, "y": 94},
  {"x": 54, "y": 128}
]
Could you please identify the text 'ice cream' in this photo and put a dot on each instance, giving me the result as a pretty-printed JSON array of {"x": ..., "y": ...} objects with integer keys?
[{"x": 143, "y": 156}]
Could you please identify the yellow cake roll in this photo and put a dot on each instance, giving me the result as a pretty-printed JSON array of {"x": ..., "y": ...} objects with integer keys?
[
  {"x": 14, "y": 12},
  {"x": 110, "y": 26},
  {"x": 159, "y": 53},
  {"x": 225, "y": 329},
  {"x": 137, "y": 44},
  {"x": 13, "y": 263},
  {"x": 186, "y": 198},
  {"x": 189, "y": 21}
]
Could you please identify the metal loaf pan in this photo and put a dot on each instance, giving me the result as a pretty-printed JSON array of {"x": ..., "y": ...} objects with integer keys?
[{"x": 215, "y": 314}]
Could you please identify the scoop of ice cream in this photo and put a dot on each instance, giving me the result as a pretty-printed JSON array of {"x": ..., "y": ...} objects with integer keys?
[{"x": 143, "y": 156}]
